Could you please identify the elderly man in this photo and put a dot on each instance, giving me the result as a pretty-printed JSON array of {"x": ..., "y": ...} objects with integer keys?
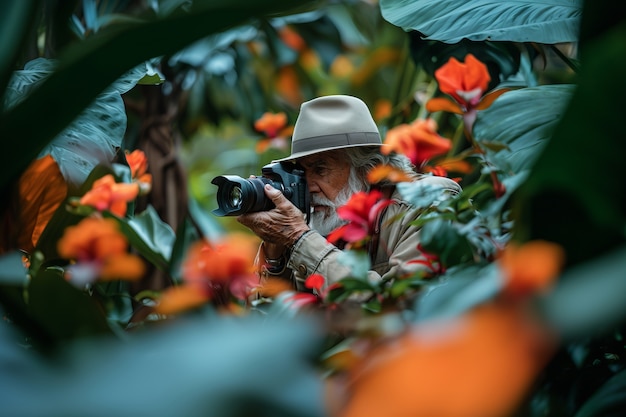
[{"x": 336, "y": 142}]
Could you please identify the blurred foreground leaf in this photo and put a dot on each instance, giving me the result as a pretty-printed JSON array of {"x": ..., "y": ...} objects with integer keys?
[
  {"x": 608, "y": 401},
  {"x": 219, "y": 366}
]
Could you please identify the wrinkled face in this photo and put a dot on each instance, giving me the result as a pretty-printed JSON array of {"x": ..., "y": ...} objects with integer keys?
[{"x": 331, "y": 183}]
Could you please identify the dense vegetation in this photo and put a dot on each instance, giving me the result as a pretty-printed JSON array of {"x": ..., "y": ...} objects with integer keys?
[{"x": 122, "y": 294}]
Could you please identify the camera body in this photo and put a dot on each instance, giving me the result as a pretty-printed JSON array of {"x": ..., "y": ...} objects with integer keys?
[{"x": 236, "y": 195}]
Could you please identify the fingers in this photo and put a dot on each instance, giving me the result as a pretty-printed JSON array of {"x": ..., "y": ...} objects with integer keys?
[
  {"x": 273, "y": 194},
  {"x": 281, "y": 225}
]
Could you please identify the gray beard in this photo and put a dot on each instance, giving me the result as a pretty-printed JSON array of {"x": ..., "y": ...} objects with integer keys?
[{"x": 324, "y": 224}]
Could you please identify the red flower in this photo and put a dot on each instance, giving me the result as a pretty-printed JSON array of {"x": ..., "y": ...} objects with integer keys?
[
  {"x": 431, "y": 261},
  {"x": 419, "y": 141},
  {"x": 361, "y": 211},
  {"x": 316, "y": 283}
]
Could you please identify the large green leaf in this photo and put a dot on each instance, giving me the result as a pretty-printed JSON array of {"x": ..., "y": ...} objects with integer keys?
[
  {"x": 150, "y": 236},
  {"x": 575, "y": 193},
  {"x": 444, "y": 239},
  {"x": 212, "y": 367},
  {"x": 459, "y": 290},
  {"x": 449, "y": 21},
  {"x": 522, "y": 120},
  {"x": 87, "y": 68},
  {"x": 16, "y": 18},
  {"x": 608, "y": 401},
  {"x": 588, "y": 300},
  {"x": 95, "y": 136},
  {"x": 62, "y": 310}
]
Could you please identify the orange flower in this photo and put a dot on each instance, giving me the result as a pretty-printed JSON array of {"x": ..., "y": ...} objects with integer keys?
[
  {"x": 454, "y": 164},
  {"x": 92, "y": 239},
  {"x": 106, "y": 194},
  {"x": 213, "y": 273},
  {"x": 387, "y": 172},
  {"x": 100, "y": 250},
  {"x": 465, "y": 83},
  {"x": 176, "y": 299},
  {"x": 138, "y": 163},
  {"x": 341, "y": 67},
  {"x": 271, "y": 123},
  {"x": 288, "y": 85},
  {"x": 272, "y": 287},
  {"x": 221, "y": 261},
  {"x": 453, "y": 368},
  {"x": 382, "y": 109},
  {"x": 291, "y": 38},
  {"x": 531, "y": 267},
  {"x": 419, "y": 141}
]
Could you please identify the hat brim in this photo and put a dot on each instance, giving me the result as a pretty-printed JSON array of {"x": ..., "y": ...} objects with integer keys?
[{"x": 298, "y": 155}]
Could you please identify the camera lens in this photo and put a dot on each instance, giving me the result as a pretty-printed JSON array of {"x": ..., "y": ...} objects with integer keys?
[{"x": 235, "y": 196}]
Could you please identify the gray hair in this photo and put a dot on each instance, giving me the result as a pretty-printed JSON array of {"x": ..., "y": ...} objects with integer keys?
[{"x": 364, "y": 159}]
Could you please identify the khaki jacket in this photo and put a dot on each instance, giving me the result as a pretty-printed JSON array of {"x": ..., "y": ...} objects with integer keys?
[{"x": 397, "y": 243}]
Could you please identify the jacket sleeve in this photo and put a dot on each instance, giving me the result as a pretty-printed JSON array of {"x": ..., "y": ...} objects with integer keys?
[{"x": 398, "y": 244}]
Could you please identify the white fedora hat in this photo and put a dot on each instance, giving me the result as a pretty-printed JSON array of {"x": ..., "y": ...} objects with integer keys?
[{"x": 332, "y": 122}]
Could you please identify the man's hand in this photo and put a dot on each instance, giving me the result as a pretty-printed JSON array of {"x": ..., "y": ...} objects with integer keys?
[{"x": 281, "y": 226}]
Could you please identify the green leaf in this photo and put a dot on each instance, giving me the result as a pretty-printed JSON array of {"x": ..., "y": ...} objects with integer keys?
[
  {"x": 64, "y": 311},
  {"x": 149, "y": 235},
  {"x": 186, "y": 235},
  {"x": 357, "y": 261},
  {"x": 460, "y": 289},
  {"x": 373, "y": 305},
  {"x": 522, "y": 120},
  {"x": 12, "y": 269},
  {"x": 608, "y": 401},
  {"x": 348, "y": 287},
  {"x": 574, "y": 194},
  {"x": 354, "y": 284},
  {"x": 202, "y": 366},
  {"x": 442, "y": 238},
  {"x": 588, "y": 299},
  {"x": 400, "y": 287},
  {"x": 16, "y": 19},
  {"x": 207, "y": 225},
  {"x": 106, "y": 56},
  {"x": 95, "y": 136},
  {"x": 450, "y": 21}
]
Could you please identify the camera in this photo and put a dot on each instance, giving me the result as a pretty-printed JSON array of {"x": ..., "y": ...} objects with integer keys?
[{"x": 236, "y": 195}]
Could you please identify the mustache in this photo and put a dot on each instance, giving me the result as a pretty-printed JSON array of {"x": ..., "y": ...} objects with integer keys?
[{"x": 318, "y": 200}]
